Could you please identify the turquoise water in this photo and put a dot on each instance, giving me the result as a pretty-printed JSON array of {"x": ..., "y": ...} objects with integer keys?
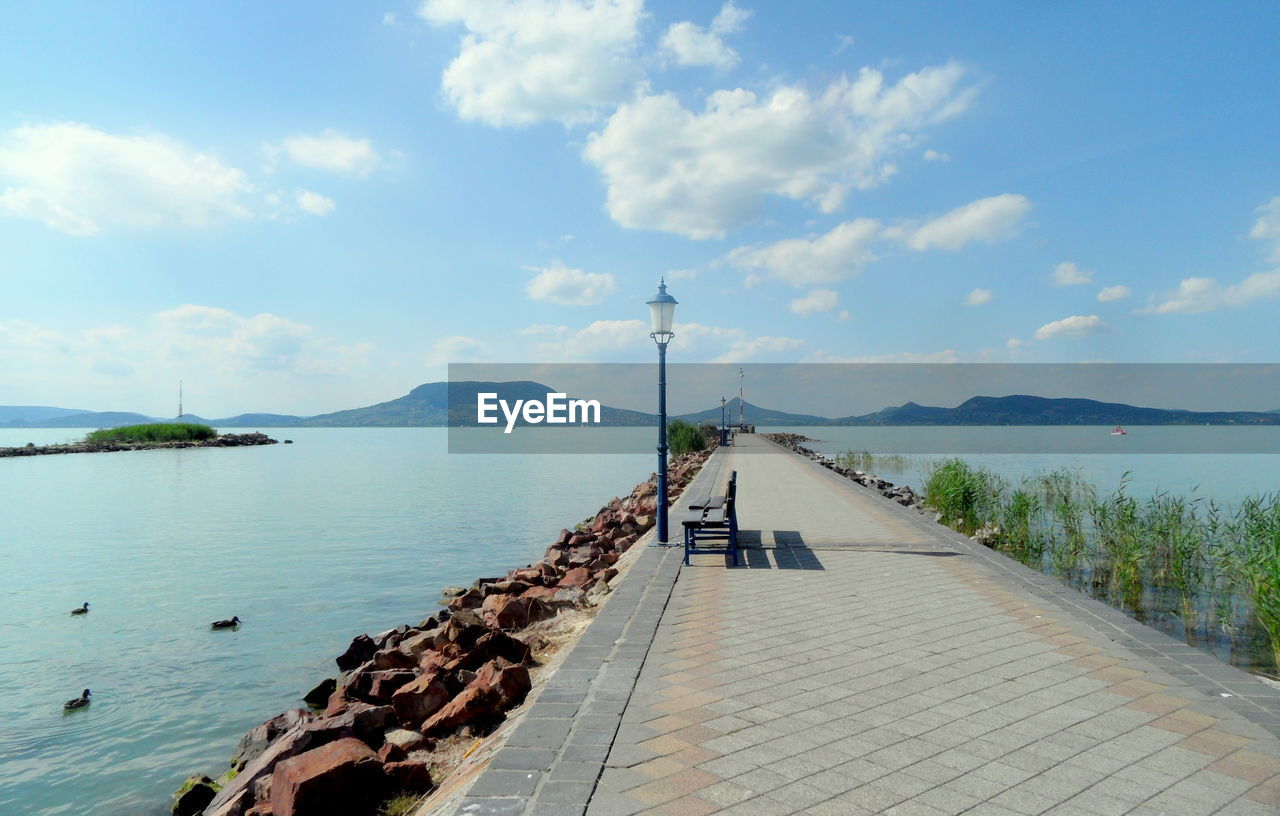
[{"x": 346, "y": 531}]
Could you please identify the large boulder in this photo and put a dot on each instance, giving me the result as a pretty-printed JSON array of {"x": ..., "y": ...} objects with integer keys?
[
  {"x": 512, "y": 612},
  {"x": 255, "y": 741},
  {"x": 360, "y": 651},
  {"x": 498, "y": 685},
  {"x": 343, "y": 777},
  {"x": 197, "y": 792},
  {"x": 408, "y": 775},
  {"x": 419, "y": 699},
  {"x": 319, "y": 696},
  {"x": 579, "y": 577},
  {"x": 238, "y": 794}
]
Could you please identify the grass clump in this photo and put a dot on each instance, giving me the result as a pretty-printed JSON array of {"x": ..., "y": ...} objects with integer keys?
[
  {"x": 1180, "y": 564},
  {"x": 865, "y": 460},
  {"x": 684, "y": 437},
  {"x": 400, "y": 805},
  {"x": 153, "y": 432}
]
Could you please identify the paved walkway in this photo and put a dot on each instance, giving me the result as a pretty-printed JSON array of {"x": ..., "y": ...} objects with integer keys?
[{"x": 864, "y": 661}]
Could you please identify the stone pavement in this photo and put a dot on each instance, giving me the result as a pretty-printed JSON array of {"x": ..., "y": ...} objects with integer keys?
[{"x": 864, "y": 661}]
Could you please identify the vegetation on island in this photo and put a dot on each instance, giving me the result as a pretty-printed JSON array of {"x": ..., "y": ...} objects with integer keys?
[
  {"x": 869, "y": 462},
  {"x": 153, "y": 432},
  {"x": 1188, "y": 566},
  {"x": 684, "y": 437}
]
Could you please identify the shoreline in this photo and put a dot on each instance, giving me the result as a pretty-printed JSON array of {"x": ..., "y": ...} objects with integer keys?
[
  {"x": 409, "y": 701},
  {"x": 221, "y": 441}
]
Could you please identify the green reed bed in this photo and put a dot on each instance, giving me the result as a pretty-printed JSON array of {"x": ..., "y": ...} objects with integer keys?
[
  {"x": 1183, "y": 565},
  {"x": 153, "y": 432},
  {"x": 872, "y": 462}
]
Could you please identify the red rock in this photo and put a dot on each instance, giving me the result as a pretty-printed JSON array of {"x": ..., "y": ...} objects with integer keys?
[
  {"x": 511, "y": 680},
  {"x": 237, "y": 795},
  {"x": 383, "y": 684},
  {"x": 531, "y": 576},
  {"x": 360, "y": 650},
  {"x": 390, "y": 752},
  {"x": 419, "y": 699},
  {"x": 493, "y": 645},
  {"x": 343, "y": 777},
  {"x": 576, "y": 577},
  {"x": 470, "y": 599},
  {"x": 410, "y": 775},
  {"x": 255, "y": 742},
  {"x": 392, "y": 658},
  {"x": 547, "y": 570},
  {"x": 414, "y": 645},
  {"x": 513, "y": 612}
]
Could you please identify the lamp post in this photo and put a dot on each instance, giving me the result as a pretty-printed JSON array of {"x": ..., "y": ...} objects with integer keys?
[
  {"x": 724, "y": 429},
  {"x": 662, "y": 310}
]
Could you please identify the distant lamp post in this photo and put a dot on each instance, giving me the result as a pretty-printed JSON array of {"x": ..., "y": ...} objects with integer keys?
[
  {"x": 662, "y": 312},
  {"x": 724, "y": 428}
]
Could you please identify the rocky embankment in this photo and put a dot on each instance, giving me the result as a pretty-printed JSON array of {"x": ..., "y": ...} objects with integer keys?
[
  {"x": 222, "y": 441},
  {"x": 403, "y": 697},
  {"x": 902, "y": 494}
]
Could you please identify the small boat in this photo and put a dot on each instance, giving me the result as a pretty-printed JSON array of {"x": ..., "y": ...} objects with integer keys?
[
  {"x": 226, "y": 624},
  {"x": 78, "y": 702},
  {"x": 84, "y": 610},
  {"x": 1118, "y": 431}
]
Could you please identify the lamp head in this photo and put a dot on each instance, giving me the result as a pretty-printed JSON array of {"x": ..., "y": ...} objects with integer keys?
[{"x": 662, "y": 311}]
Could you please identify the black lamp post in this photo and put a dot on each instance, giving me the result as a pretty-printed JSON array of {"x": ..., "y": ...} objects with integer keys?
[
  {"x": 724, "y": 429},
  {"x": 662, "y": 311}
]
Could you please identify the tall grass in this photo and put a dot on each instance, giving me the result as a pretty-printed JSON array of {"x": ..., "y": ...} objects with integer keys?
[
  {"x": 1218, "y": 575},
  {"x": 157, "y": 432},
  {"x": 871, "y": 462},
  {"x": 684, "y": 437}
]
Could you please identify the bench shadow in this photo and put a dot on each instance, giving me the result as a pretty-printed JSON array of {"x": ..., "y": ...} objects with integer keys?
[{"x": 789, "y": 553}]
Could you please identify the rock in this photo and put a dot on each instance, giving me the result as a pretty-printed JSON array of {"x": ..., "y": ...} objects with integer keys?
[
  {"x": 569, "y": 596},
  {"x": 403, "y": 738},
  {"x": 470, "y": 599},
  {"x": 513, "y": 612},
  {"x": 234, "y": 805},
  {"x": 360, "y": 651},
  {"x": 319, "y": 696},
  {"x": 390, "y": 752},
  {"x": 576, "y": 578},
  {"x": 343, "y": 777},
  {"x": 408, "y": 775},
  {"x": 237, "y": 795},
  {"x": 460, "y": 633},
  {"x": 262, "y": 789},
  {"x": 420, "y": 699},
  {"x": 498, "y": 685},
  {"x": 596, "y": 595},
  {"x": 199, "y": 792},
  {"x": 392, "y": 659},
  {"x": 493, "y": 645},
  {"x": 255, "y": 742}
]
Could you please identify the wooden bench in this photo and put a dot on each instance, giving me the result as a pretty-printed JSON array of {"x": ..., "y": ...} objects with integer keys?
[{"x": 713, "y": 517}]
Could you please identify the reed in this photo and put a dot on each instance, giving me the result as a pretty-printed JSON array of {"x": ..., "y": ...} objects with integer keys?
[
  {"x": 153, "y": 432},
  {"x": 867, "y": 461}
]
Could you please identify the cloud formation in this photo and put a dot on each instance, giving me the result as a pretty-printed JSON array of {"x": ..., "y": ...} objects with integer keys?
[
  {"x": 699, "y": 174},
  {"x": 988, "y": 219},
  {"x": 79, "y": 180},
  {"x": 569, "y": 287},
  {"x": 524, "y": 61},
  {"x": 1195, "y": 295},
  {"x": 1068, "y": 274},
  {"x": 978, "y": 297},
  {"x": 1110, "y": 293},
  {"x": 806, "y": 261},
  {"x": 688, "y": 44},
  {"x": 819, "y": 300},
  {"x": 1267, "y": 227},
  {"x": 331, "y": 151},
  {"x": 314, "y": 203},
  {"x": 1074, "y": 326}
]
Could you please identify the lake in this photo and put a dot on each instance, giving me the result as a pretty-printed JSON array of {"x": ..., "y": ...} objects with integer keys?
[{"x": 347, "y": 531}]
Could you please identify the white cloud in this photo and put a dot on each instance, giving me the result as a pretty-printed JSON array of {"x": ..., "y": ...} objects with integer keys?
[
  {"x": 688, "y": 44},
  {"x": 819, "y": 300},
  {"x": 935, "y": 156},
  {"x": 314, "y": 203},
  {"x": 978, "y": 297},
  {"x": 1267, "y": 227},
  {"x": 629, "y": 340},
  {"x": 599, "y": 340},
  {"x": 755, "y": 348},
  {"x": 568, "y": 287},
  {"x": 1111, "y": 293},
  {"x": 523, "y": 61},
  {"x": 987, "y": 219},
  {"x": 1068, "y": 274},
  {"x": 331, "y": 151},
  {"x": 844, "y": 315},
  {"x": 1074, "y": 326},
  {"x": 1195, "y": 295},
  {"x": 1015, "y": 343},
  {"x": 79, "y": 180},
  {"x": 806, "y": 261},
  {"x": 698, "y": 174},
  {"x": 456, "y": 349}
]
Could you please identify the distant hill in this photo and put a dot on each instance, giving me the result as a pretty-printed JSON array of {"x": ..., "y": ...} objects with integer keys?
[
  {"x": 432, "y": 404},
  {"x": 753, "y": 415},
  {"x": 1021, "y": 409}
]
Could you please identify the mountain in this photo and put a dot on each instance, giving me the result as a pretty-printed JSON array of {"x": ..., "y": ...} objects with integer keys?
[
  {"x": 752, "y": 415},
  {"x": 1020, "y": 409},
  {"x": 26, "y": 413},
  {"x": 433, "y": 404}
]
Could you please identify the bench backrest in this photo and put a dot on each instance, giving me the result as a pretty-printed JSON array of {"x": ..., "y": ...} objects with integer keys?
[{"x": 731, "y": 492}]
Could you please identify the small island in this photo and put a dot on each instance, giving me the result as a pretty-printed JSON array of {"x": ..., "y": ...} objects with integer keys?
[{"x": 145, "y": 437}]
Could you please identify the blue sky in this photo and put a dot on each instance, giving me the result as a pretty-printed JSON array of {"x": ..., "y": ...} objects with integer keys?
[{"x": 302, "y": 208}]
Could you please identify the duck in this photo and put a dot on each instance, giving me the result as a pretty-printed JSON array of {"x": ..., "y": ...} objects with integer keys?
[
  {"x": 226, "y": 624},
  {"x": 84, "y": 610},
  {"x": 78, "y": 702}
]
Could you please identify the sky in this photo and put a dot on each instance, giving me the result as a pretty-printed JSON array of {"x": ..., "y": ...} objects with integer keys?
[{"x": 301, "y": 208}]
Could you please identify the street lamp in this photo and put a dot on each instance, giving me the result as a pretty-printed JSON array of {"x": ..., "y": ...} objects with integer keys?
[
  {"x": 724, "y": 429},
  {"x": 662, "y": 311}
]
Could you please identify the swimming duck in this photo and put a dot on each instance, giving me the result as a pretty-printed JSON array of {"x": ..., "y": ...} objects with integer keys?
[
  {"x": 226, "y": 624},
  {"x": 78, "y": 702},
  {"x": 84, "y": 610}
]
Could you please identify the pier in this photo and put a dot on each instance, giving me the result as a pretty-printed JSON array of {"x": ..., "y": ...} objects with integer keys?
[{"x": 864, "y": 660}]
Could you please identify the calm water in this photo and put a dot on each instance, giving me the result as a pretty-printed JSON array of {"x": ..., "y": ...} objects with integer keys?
[{"x": 346, "y": 531}]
